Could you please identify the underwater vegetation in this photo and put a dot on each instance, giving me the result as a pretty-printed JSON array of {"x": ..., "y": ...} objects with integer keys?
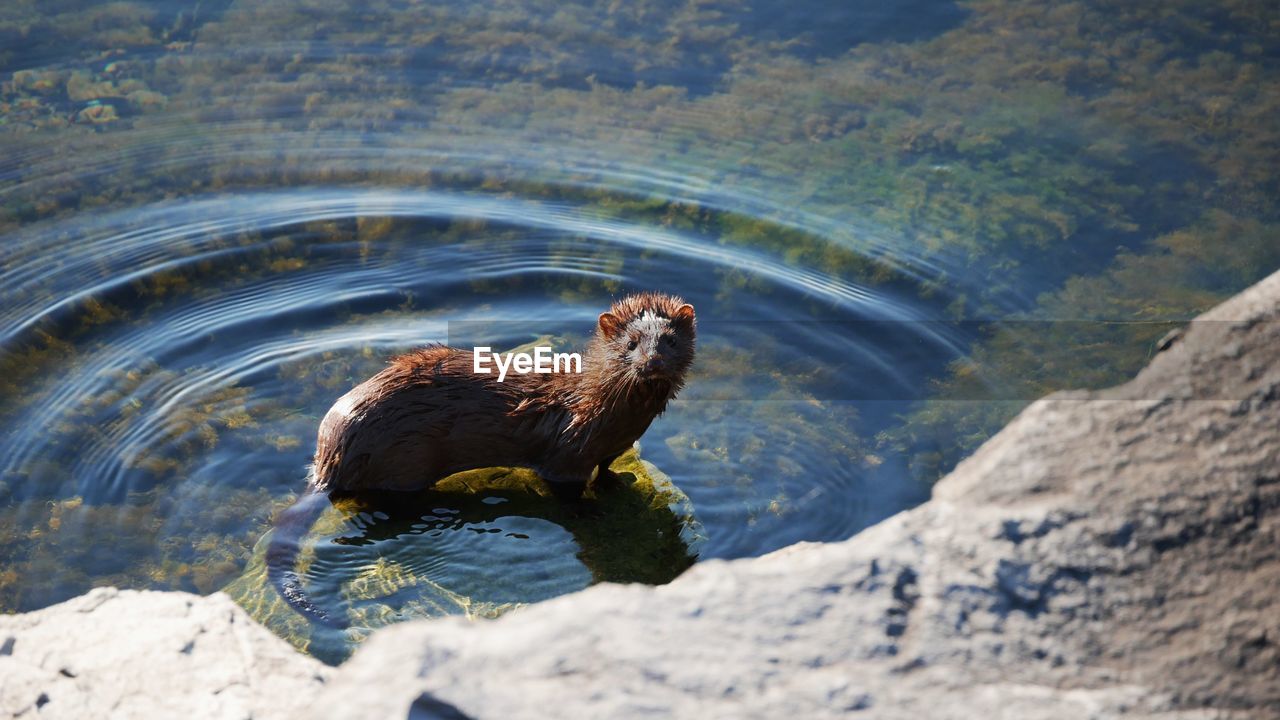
[
  {"x": 1024, "y": 146},
  {"x": 1075, "y": 178}
]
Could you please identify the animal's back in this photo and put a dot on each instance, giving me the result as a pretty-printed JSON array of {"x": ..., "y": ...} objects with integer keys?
[{"x": 411, "y": 424}]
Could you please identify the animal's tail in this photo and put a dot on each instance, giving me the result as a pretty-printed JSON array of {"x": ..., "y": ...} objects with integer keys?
[{"x": 282, "y": 556}]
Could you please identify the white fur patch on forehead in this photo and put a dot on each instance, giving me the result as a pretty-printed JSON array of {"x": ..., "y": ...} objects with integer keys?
[{"x": 649, "y": 323}]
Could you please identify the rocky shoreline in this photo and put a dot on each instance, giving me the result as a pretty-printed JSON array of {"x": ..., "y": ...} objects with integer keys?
[{"x": 1108, "y": 553}]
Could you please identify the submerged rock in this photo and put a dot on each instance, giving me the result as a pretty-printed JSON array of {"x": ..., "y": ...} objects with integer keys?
[
  {"x": 97, "y": 114},
  {"x": 39, "y": 81},
  {"x": 147, "y": 99},
  {"x": 640, "y": 530},
  {"x": 81, "y": 86}
]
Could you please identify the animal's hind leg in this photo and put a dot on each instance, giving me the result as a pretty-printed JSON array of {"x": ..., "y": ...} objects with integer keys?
[{"x": 606, "y": 478}]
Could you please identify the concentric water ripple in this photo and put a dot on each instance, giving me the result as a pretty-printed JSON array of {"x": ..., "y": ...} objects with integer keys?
[
  {"x": 207, "y": 336},
  {"x": 185, "y": 290}
]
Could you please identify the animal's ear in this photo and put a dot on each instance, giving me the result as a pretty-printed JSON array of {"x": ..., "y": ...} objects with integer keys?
[
  {"x": 610, "y": 324},
  {"x": 683, "y": 314}
]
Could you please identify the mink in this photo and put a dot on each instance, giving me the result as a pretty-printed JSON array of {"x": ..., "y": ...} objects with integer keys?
[{"x": 429, "y": 415}]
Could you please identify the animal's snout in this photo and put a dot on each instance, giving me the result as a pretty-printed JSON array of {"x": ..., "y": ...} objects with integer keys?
[{"x": 655, "y": 364}]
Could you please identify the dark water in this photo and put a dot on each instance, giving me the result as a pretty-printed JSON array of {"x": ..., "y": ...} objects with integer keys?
[{"x": 218, "y": 217}]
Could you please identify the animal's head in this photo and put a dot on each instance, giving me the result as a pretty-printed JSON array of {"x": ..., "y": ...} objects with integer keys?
[{"x": 650, "y": 336}]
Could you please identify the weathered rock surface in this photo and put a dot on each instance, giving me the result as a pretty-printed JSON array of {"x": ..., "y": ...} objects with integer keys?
[
  {"x": 1109, "y": 553},
  {"x": 130, "y": 654}
]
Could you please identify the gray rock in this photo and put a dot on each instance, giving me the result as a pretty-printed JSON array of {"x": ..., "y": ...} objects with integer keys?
[
  {"x": 130, "y": 654},
  {"x": 1109, "y": 553}
]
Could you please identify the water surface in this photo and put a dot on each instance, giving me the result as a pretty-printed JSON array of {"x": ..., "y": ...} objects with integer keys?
[{"x": 216, "y": 218}]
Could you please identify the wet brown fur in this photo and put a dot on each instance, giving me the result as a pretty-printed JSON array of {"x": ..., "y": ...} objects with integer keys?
[{"x": 428, "y": 415}]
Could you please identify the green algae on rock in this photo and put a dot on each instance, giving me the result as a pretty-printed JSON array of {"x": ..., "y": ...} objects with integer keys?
[{"x": 640, "y": 528}]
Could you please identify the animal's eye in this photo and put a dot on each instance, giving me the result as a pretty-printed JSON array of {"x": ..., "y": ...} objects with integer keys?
[
  {"x": 632, "y": 345},
  {"x": 670, "y": 340}
]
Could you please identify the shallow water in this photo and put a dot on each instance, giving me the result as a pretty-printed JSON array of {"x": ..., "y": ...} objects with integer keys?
[{"x": 219, "y": 217}]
